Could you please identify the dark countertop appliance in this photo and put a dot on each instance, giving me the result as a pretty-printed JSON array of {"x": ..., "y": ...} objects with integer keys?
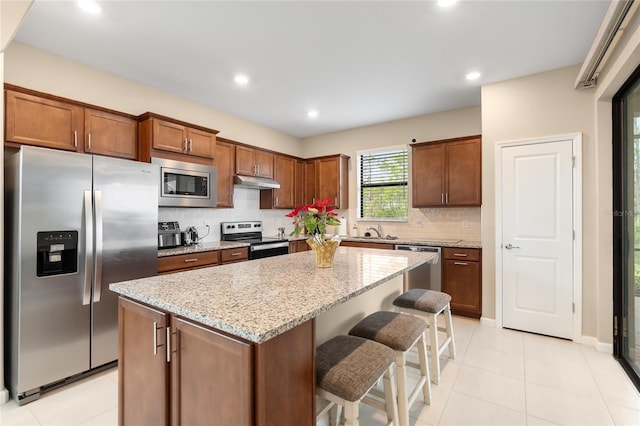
[
  {"x": 251, "y": 232},
  {"x": 169, "y": 235}
]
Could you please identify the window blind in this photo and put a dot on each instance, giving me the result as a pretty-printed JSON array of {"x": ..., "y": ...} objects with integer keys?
[{"x": 384, "y": 184}]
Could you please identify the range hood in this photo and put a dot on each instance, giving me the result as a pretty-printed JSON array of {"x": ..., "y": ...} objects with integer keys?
[{"x": 255, "y": 182}]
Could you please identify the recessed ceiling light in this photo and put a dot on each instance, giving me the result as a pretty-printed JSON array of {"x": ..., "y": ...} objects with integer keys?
[
  {"x": 312, "y": 113},
  {"x": 473, "y": 75},
  {"x": 446, "y": 3},
  {"x": 241, "y": 79},
  {"x": 90, "y": 6}
]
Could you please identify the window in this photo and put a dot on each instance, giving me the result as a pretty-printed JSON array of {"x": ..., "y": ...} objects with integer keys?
[{"x": 383, "y": 191}]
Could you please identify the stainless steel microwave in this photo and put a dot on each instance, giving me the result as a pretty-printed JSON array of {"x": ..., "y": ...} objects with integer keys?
[{"x": 184, "y": 184}]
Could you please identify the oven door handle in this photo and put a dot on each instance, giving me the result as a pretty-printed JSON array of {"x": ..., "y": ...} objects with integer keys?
[{"x": 268, "y": 246}]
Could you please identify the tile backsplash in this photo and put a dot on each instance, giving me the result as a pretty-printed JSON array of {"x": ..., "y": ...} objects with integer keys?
[{"x": 463, "y": 223}]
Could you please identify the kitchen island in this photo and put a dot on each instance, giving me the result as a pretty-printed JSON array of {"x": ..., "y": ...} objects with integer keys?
[{"x": 235, "y": 344}]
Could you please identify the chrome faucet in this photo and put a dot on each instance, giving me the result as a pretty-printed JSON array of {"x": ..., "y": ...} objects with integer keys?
[{"x": 378, "y": 230}]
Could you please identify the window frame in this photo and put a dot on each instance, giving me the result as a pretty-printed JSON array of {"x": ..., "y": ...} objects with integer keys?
[{"x": 359, "y": 154}]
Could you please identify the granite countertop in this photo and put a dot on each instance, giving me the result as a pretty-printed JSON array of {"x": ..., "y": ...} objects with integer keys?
[
  {"x": 263, "y": 298},
  {"x": 208, "y": 246},
  {"x": 438, "y": 242}
]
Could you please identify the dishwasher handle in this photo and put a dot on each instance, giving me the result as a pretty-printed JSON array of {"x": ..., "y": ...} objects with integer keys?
[{"x": 427, "y": 249}]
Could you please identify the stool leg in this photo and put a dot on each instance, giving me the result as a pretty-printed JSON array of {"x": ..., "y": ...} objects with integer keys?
[
  {"x": 449, "y": 326},
  {"x": 350, "y": 411},
  {"x": 403, "y": 409},
  {"x": 424, "y": 368},
  {"x": 432, "y": 320},
  {"x": 333, "y": 415},
  {"x": 390, "y": 396}
]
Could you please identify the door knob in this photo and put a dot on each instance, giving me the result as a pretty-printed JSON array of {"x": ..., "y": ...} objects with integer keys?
[{"x": 508, "y": 246}]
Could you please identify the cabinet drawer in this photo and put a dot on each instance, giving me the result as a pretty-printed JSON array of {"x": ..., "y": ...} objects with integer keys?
[
  {"x": 234, "y": 255},
  {"x": 472, "y": 255},
  {"x": 188, "y": 261}
]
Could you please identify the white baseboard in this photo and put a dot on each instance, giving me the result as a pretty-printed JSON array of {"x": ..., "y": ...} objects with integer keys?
[
  {"x": 4, "y": 396},
  {"x": 490, "y": 322},
  {"x": 595, "y": 343}
]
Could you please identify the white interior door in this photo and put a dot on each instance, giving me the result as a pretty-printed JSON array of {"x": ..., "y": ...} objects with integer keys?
[{"x": 537, "y": 237}]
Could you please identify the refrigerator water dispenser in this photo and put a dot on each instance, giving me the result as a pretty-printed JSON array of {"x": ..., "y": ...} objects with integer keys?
[{"x": 57, "y": 253}]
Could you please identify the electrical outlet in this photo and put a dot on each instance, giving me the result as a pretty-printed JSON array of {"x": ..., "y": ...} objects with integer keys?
[
  {"x": 465, "y": 223},
  {"x": 207, "y": 224},
  {"x": 417, "y": 223}
]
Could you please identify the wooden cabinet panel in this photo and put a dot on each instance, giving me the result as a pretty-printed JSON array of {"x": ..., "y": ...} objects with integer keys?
[
  {"x": 224, "y": 162},
  {"x": 332, "y": 180},
  {"x": 254, "y": 162},
  {"x": 298, "y": 183},
  {"x": 169, "y": 136},
  {"x": 464, "y": 173},
  {"x": 201, "y": 143},
  {"x": 238, "y": 254},
  {"x": 462, "y": 280},
  {"x": 367, "y": 244},
  {"x": 183, "y": 262},
  {"x": 33, "y": 120},
  {"x": 447, "y": 173},
  {"x": 143, "y": 372},
  {"x": 211, "y": 377},
  {"x": 428, "y": 175},
  {"x": 298, "y": 245},
  {"x": 110, "y": 134},
  {"x": 284, "y": 174},
  {"x": 309, "y": 181}
]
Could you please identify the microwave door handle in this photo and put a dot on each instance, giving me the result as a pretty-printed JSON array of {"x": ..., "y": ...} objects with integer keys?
[
  {"x": 97, "y": 271},
  {"x": 88, "y": 247}
]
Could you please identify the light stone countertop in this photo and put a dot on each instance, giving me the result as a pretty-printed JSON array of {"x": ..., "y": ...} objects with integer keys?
[
  {"x": 437, "y": 242},
  {"x": 262, "y": 298},
  {"x": 208, "y": 246}
]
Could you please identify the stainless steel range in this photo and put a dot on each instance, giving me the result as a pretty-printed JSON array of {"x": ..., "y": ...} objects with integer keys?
[{"x": 251, "y": 232}]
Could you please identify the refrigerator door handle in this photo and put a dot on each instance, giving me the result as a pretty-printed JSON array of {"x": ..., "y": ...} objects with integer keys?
[
  {"x": 97, "y": 271},
  {"x": 88, "y": 247}
]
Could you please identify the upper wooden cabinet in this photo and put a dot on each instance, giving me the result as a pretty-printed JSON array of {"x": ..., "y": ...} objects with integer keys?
[
  {"x": 110, "y": 134},
  {"x": 447, "y": 173},
  {"x": 168, "y": 138},
  {"x": 254, "y": 162},
  {"x": 45, "y": 120},
  {"x": 284, "y": 173},
  {"x": 298, "y": 183},
  {"x": 225, "y": 163},
  {"x": 331, "y": 175}
]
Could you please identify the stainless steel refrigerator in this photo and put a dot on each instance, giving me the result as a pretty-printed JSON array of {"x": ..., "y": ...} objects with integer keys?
[{"x": 74, "y": 223}]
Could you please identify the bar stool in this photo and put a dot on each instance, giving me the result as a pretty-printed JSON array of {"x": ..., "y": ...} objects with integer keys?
[
  {"x": 347, "y": 367},
  {"x": 429, "y": 304},
  {"x": 400, "y": 332}
]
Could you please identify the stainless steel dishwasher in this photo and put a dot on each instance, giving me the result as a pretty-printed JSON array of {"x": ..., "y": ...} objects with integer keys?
[{"x": 428, "y": 275}]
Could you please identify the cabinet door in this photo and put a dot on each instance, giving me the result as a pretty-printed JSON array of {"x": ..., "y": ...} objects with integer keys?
[
  {"x": 211, "y": 377},
  {"x": 264, "y": 162},
  {"x": 201, "y": 143},
  {"x": 110, "y": 134},
  {"x": 284, "y": 174},
  {"x": 169, "y": 136},
  {"x": 143, "y": 373},
  {"x": 33, "y": 120},
  {"x": 462, "y": 281},
  {"x": 245, "y": 164},
  {"x": 464, "y": 179},
  {"x": 224, "y": 162},
  {"x": 331, "y": 180},
  {"x": 427, "y": 177},
  {"x": 309, "y": 182},
  {"x": 298, "y": 184}
]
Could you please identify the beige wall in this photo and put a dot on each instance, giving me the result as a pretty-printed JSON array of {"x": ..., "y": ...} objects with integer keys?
[
  {"x": 435, "y": 223},
  {"x": 39, "y": 70},
  {"x": 12, "y": 12},
  {"x": 536, "y": 106}
]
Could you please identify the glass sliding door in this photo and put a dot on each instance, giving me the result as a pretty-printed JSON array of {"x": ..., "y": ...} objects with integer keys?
[{"x": 626, "y": 223}]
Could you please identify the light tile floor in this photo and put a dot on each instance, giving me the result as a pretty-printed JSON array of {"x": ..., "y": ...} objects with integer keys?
[{"x": 499, "y": 377}]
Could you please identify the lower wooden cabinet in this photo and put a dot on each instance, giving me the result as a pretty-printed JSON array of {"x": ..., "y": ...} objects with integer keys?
[
  {"x": 175, "y": 371},
  {"x": 184, "y": 262},
  {"x": 298, "y": 246},
  {"x": 462, "y": 280},
  {"x": 232, "y": 255},
  {"x": 367, "y": 244}
]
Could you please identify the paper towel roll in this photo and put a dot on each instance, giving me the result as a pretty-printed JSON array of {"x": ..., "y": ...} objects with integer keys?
[{"x": 343, "y": 228}]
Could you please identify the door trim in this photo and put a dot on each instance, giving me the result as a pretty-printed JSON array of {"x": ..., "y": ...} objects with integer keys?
[{"x": 576, "y": 139}]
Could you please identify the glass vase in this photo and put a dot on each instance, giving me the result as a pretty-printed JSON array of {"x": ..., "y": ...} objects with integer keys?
[{"x": 324, "y": 251}]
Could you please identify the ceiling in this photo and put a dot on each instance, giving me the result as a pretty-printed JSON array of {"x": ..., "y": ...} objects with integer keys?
[{"x": 355, "y": 62}]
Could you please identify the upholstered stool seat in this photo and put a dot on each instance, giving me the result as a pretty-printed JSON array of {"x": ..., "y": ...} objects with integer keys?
[
  {"x": 347, "y": 368},
  {"x": 400, "y": 332},
  {"x": 429, "y": 304}
]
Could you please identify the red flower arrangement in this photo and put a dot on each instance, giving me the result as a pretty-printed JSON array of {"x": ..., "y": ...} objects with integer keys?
[{"x": 314, "y": 218}]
